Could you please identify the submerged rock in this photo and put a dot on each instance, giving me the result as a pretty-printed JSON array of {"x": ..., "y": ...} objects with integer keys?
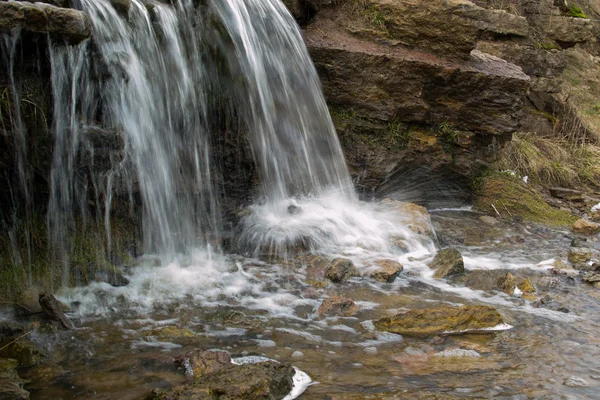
[
  {"x": 440, "y": 320},
  {"x": 172, "y": 332},
  {"x": 387, "y": 272},
  {"x": 340, "y": 270},
  {"x": 337, "y": 306},
  {"x": 447, "y": 263},
  {"x": 261, "y": 381},
  {"x": 11, "y": 386},
  {"x": 54, "y": 309},
  {"x": 586, "y": 227},
  {"x": 24, "y": 352}
]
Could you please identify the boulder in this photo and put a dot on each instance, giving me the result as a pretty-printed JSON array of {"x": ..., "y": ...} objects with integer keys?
[
  {"x": 447, "y": 263},
  {"x": 340, "y": 270},
  {"x": 54, "y": 309},
  {"x": 440, "y": 320},
  {"x": 60, "y": 23},
  {"x": 28, "y": 301},
  {"x": 337, "y": 306},
  {"x": 387, "y": 270},
  {"x": 261, "y": 381},
  {"x": 11, "y": 386},
  {"x": 585, "y": 227},
  {"x": 121, "y": 6},
  {"x": 415, "y": 217}
]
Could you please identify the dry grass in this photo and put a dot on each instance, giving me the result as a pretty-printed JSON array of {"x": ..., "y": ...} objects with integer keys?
[{"x": 552, "y": 161}]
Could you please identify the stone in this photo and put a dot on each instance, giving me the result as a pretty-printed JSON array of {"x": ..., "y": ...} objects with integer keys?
[
  {"x": 121, "y": 6},
  {"x": 60, "y": 23},
  {"x": 28, "y": 301},
  {"x": 387, "y": 270},
  {"x": 11, "y": 386},
  {"x": 566, "y": 194},
  {"x": 592, "y": 279},
  {"x": 447, "y": 263},
  {"x": 208, "y": 362},
  {"x": 340, "y": 270},
  {"x": 526, "y": 286},
  {"x": 488, "y": 220},
  {"x": 415, "y": 217},
  {"x": 261, "y": 381},
  {"x": 586, "y": 227},
  {"x": 337, "y": 306},
  {"x": 441, "y": 320},
  {"x": 579, "y": 255},
  {"x": 25, "y": 352},
  {"x": 507, "y": 283},
  {"x": 53, "y": 308},
  {"x": 575, "y": 381}
]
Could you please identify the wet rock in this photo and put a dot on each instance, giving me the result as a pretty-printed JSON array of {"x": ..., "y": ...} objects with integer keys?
[
  {"x": 113, "y": 277},
  {"x": 28, "y": 302},
  {"x": 121, "y": 6},
  {"x": 387, "y": 272},
  {"x": 62, "y": 23},
  {"x": 25, "y": 352},
  {"x": 261, "y": 381},
  {"x": 440, "y": 320},
  {"x": 316, "y": 266},
  {"x": 11, "y": 386},
  {"x": 54, "y": 310},
  {"x": 172, "y": 332},
  {"x": 340, "y": 270},
  {"x": 337, "y": 306},
  {"x": 447, "y": 263},
  {"x": 413, "y": 216},
  {"x": 567, "y": 194},
  {"x": 593, "y": 279},
  {"x": 579, "y": 256},
  {"x": 585, "y": 227},
  {"x": 526, "y": 286},
  {"x": 507, "y": 283},
  {"x": 208, "y": 362},
  {"x": 11, "y": 328},
  {"x": 294, "y": 210}
]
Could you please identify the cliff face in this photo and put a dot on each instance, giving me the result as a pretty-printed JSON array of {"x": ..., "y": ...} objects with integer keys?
[{"x": 424, "y": 94}]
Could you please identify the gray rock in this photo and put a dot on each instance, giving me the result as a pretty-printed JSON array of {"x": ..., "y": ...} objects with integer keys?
[{"x": 579, "y": 255}]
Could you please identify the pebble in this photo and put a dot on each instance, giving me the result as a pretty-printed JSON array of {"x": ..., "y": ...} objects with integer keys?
[
  {"x": 371, "y": 350},
  {"x": 458, "y": 353}
]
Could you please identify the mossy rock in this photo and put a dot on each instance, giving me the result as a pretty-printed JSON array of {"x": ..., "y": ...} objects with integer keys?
[
  {"x": 507, "y": 283},
  {"x": 26, "y": 353},
  {"x": 262, "y": 381},
  {"x": 441, "y": 320},
  {"x": 512, "y": 198},
  {"x": 447, "y": 263}
]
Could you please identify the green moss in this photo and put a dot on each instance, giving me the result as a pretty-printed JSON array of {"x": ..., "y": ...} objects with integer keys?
[
  {"x": 342, "y": 114},
  {"x": 512, "y": 198},
  {"x": 400, "y": 134},
  {"x": 576, "y": 12},
  {"x": 547, "y": 45}
]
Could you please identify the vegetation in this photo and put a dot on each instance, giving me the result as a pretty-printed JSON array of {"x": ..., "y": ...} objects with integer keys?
[
  {"x": 370, "y": 13},
  {"x": 576, "y": 12}
]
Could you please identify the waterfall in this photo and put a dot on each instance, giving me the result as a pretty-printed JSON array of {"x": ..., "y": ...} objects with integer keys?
[{"x": 149, "y": 75}]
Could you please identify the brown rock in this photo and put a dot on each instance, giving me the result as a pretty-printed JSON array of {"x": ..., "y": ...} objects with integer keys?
[
  {"x": 440, "y": 320},
  {"x": 387, "y": 272},
  {"x": 586, "y": 227},
  {"x": 54, "y": 309},
  {"x": 337, "y": 306}
]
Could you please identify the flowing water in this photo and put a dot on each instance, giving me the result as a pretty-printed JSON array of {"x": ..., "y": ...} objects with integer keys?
[{"x": 153, "y": 76}]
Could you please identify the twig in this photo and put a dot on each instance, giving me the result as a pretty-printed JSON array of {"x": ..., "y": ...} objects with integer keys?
[
  {"x": 495, "y": 209},
  {"x": 23, "y": 335},
  {"x": 503, "y": 205}
]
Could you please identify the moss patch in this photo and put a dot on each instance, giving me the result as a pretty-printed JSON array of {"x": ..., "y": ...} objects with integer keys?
[{"x": 512, "y": 198}]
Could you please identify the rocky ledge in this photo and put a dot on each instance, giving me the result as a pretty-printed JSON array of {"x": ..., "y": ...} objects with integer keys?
[{"x": 60, "y": 23}]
